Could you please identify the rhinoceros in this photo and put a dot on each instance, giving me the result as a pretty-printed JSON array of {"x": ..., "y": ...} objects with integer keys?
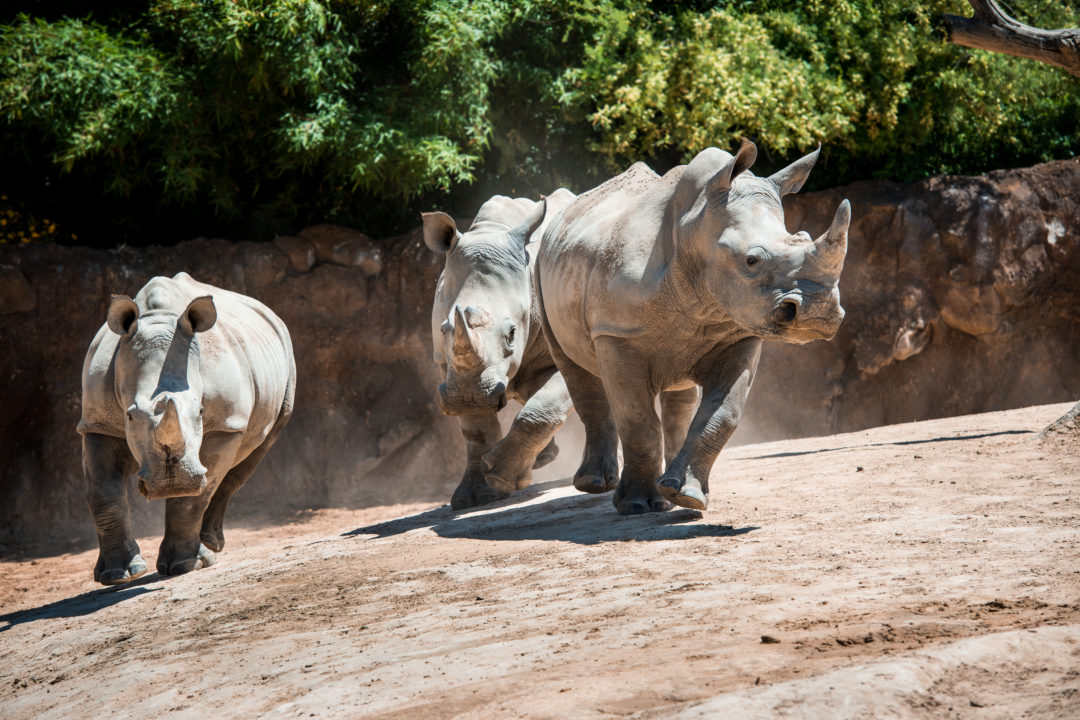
[
  {"x": 487, "y": 342},
  {"x": 184, "y": 390},
  {"x": 654, "y": 285}
]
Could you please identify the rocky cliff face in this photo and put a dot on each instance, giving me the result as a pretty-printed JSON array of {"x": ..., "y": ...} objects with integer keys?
[{"x": 963, "y": 296}]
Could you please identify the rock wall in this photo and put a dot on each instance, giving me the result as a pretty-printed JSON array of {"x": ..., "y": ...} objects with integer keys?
[{"x": 962, "y": 297}]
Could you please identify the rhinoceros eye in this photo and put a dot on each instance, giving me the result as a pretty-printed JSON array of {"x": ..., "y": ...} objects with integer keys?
[
  {"x": 510, "y": 336},
  {"x": 752, "y": 260}
]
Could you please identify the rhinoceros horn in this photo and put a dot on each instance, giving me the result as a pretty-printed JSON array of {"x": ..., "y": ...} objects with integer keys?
[
  {"x": 829, "y": 249},
  {"x": 464, "y": 346},
  {"x": 169, "y": 433}
]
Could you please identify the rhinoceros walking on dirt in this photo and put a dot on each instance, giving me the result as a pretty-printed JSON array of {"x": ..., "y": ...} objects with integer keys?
[
  {"x": 485, "y": 329},
  {"x": 657, "y": 285},
  {"x": 185, "y": 387}
]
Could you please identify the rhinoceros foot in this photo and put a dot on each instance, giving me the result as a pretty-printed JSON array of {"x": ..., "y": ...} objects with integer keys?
[
  {"x": 549, "y": 453},
  {"x": 597, "y": 474},
  {"x": 473, "y": 492},
  {"x": 636, "y": 499},
  {"x": 135, "y": 567},
  {"x": 171, "y": 562},
  {"x": 684, "y": 491},
  {"x": 508, "y": 469}
]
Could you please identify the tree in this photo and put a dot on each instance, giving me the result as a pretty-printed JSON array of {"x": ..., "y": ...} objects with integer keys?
[{"x": 991, "y": 29}]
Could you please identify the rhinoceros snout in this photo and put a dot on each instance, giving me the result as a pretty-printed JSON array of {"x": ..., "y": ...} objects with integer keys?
[
  {"x": 786, "y": 312},
  {"x": 172, "y": 486}
]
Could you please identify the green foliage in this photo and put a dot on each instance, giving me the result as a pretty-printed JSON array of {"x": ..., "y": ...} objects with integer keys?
[
  {"x": 875, "y": 82},
  {"x": 247, "y": 117}
]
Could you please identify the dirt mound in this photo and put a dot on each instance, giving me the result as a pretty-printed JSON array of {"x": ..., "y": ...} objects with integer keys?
[{"x": 916, "y": 571}]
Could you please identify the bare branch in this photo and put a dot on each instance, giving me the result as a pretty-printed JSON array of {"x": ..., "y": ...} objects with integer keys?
[{"x": 991, "y": 29}]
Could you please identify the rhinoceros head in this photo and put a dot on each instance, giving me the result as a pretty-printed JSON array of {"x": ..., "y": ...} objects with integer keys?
[
  {"x": 159, "y": 385},
  {"x": 480, "y": 319},
  {"x": 775, "y": 284}
]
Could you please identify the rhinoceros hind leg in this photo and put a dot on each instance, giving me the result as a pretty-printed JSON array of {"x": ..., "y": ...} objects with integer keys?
[
  {"x": 212, "y": 533},
  {"x": 547, "y": 455},
  {"x": 473, "y": 491}
]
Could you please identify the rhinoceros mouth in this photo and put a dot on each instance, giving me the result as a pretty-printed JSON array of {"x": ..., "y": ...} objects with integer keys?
[{"x": 172, "y": 487}]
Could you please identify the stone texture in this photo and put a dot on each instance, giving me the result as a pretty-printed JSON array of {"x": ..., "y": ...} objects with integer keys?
[{"x": 961, "y": 292}]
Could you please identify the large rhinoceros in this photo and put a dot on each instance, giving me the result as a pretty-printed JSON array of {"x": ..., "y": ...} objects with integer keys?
[
  {"x": 185, "y": 387},
  {"x": 657, "y": 285},
  {"x": 486, "y": 334}
]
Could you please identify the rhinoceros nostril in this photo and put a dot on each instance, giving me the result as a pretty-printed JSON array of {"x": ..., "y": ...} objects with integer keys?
[
  {"x": 502, "y": 401},
  {"x": 787, "y": 312}
]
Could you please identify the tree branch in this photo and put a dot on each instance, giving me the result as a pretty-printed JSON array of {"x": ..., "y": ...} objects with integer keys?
[{"x": 991, "y": 29}]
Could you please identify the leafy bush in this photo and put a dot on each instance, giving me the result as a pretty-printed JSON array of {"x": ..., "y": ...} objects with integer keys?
[{"x": 249, "y": 117}]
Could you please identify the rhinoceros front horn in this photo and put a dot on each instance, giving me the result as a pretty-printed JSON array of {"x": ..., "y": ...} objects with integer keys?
[
  {"x": 831, "y": 248},
  {"x": 169, "y": 433},
  {"x": 464, "y": 348}
]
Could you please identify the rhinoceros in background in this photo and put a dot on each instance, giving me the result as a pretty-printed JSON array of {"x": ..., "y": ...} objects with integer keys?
[
  {"x": 486, "y": 334},
  {"x": 187, "y": 386},
  {"x": 652, "y": 284}
]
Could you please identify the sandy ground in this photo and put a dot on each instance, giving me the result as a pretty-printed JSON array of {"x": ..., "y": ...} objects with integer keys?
[{"x": 929, "y": 570}]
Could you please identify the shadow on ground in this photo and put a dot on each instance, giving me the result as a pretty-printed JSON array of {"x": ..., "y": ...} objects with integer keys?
[
  {"x": 80, "y": 605},
  {"x": 897, "y": 442},
  {"x": 582, "y": 519}
]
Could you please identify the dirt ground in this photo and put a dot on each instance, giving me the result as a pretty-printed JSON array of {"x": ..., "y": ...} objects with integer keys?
[{"x": 929, "y": 570}]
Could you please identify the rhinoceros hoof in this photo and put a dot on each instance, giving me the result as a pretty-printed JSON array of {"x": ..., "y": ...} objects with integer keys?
[
  {"x": 597, "y": 475},
  {"x": 549, "y": 453},
  {"x": 683, "y": 494},
  {"x": 636, "y": 501},
  {"x": 473, "y": 492},
  {"x": 116, "y": 576},
  {"x": 179, "y": 566}
]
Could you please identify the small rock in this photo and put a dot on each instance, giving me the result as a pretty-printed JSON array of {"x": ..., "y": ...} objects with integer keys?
[
  {"x": 858, "y": 468},
  {"x": 768, "y": 640}
]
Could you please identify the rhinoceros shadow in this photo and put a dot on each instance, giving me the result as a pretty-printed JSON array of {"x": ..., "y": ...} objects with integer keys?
[
  {"x": 583, "y": 519},
  {"x": 85, "y": 604}
]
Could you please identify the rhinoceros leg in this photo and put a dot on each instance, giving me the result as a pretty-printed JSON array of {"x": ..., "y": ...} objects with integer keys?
[
  {"x": 181, "y": 549},
  {"x": 481, "y": 432},
  {"x": 212, "y": 533},
  {"x": 547, "y": 455},
  {"x": 107, "y": 463},
  {"x": 633, "y": 404},
  {"x": 508, "y": 465},
  {"x": 676, "y": 411},
  {"x": 725, "y": 380}
]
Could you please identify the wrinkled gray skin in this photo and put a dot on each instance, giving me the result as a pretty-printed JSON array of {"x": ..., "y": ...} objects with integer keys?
[
  {"x": 185, "y": 388},
  {"x": 660, "y": 285},
  {"x": 485, "y": 329}
]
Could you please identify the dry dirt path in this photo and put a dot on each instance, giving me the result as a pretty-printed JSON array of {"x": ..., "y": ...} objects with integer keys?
[{"x": 922, "y": 570}]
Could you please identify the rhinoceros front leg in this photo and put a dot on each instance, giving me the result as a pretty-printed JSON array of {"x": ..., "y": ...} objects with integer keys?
[
  {"x": 508, "y": 466},
  {"x": 633, "y": 401},
  {"x": 182, "y": 549},
  {"x": 107, "y": 463},
  {"x": 725, "y": 378},
  {"x": 481, "y": 432}
]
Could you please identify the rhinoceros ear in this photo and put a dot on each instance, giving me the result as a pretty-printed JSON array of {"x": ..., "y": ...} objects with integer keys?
[
  {"x": 200, "y": 316},
  {"x": 123, "y": 315},
  {"x": 524, "y": 231},
  {"x": 791, "y": 179},
  {"x": 440, "y": 231},
  {"x": 744, "y": 158}
]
